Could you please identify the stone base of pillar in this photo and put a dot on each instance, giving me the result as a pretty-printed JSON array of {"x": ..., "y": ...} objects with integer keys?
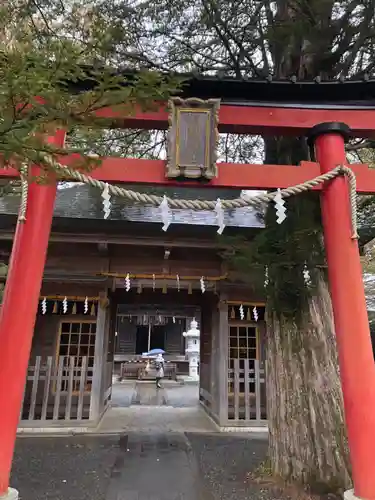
[
  {"x": 187, "y": 379},
  {"x": 349, "y": 495},
  {"x": 11, "y": 494}
]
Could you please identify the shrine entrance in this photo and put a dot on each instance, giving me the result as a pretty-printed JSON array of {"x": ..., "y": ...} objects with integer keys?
[
  {"x": 151, "y": 326},
  {"x": 149, "y": 337},
  {"x": 141, "y": 328}
]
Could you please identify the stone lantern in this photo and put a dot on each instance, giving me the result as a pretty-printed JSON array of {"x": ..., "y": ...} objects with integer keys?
[{"x": 192, "y": 350}]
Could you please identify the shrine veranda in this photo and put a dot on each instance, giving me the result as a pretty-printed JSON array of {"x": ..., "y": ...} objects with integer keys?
[{"x": 103, "y": 277}]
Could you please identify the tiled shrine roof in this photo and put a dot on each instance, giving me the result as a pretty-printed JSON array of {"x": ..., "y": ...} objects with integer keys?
[
  {"x": 77, "y": 201},
  {"x": 317, "y": 93}
]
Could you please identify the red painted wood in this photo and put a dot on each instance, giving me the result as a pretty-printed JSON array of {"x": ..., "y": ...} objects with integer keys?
[
  {"x": 357, "y": 367},
  {"x": 127, "y": 170},
  {"x": 254, "y": 120},
  {"x": 235, "y": 175},
  {"x": 19, "y": 309}
]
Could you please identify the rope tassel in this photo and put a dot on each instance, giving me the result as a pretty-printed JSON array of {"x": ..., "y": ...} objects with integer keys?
[
  {"x": 127, "y": 283},
  {"x": 219, "y": 216},
  {"x": 280, "y": 208},
  {"x": 242, "y": 312},
  {"x": 44, "y": 306},
  {"x": 255, "y": 313},
  {"x": 266, "y": 280},
  {"x": 166, "y": 214},
  {"x": 106, "y": 195},
  {"x": 306, "y": 275}
]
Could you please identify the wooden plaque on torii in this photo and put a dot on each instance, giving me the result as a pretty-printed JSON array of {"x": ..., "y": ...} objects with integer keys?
[{"x": 192, "y": 138}]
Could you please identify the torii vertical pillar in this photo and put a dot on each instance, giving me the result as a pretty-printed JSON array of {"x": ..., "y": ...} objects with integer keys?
[
  {"x": 357, "y": 367},
  {"x": 18, "y": 313}
]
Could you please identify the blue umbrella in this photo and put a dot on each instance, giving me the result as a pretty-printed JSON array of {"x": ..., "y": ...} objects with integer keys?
[{"x": 155, "y": 351}]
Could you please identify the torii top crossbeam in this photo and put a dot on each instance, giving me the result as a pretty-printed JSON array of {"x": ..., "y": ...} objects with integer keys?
[{"x": 251, "y": 107}]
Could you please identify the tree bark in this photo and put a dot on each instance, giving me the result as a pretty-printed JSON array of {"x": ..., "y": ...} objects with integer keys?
[
  {"x": 308, "y": 441},
  {"x": 305, "y": 409}
]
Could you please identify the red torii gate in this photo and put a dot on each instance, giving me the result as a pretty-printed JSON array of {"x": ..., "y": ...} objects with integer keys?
[{"x": 326, "y": 128}]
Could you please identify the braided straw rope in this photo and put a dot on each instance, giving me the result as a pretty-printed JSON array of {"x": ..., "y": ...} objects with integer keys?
[
  {"x": 24, "y": 193},
  {"x": 256, "y": 201}
]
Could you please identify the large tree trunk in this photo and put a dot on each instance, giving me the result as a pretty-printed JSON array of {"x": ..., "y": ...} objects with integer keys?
[
  {"x": 308, "y": 441},
  {"x": 305, "y": 409}
]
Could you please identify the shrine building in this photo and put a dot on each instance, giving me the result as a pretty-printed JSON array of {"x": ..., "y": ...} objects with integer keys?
[{"x": 87, "y": 264}]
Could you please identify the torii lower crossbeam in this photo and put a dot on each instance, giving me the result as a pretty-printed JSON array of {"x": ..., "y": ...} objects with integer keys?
[{"x": 231, "y": 175}]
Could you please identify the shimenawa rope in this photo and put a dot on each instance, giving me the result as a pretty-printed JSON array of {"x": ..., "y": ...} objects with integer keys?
[
  {"x": 150, "y": 199},
  {"x": 24, "y": 193}
]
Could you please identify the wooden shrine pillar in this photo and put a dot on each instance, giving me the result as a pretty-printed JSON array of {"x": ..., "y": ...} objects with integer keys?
[
  {"x": 222, "y": 360},
  {"x": 100, "y": 359},
  {"x": 214, "y": 366},
  {"x": 19, "y": 309},
  {"x": 357, "y": 367},
  {"x": 214, "y": 382}
]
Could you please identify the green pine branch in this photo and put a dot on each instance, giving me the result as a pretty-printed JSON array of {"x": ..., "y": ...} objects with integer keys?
[{"x": 44, "y": 51}]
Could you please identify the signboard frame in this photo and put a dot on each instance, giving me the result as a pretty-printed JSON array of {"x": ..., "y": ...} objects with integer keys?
[{"x": 192, "y": 138}]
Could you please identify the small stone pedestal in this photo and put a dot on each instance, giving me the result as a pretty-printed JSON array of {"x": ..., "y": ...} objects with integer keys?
[
  {"x": 349, "y": 495},
  {"x": 192, "y": 350},
  {"x": 12, "y": 494}
]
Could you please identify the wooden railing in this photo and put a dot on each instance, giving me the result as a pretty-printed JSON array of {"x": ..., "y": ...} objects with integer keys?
[{"x": 57, "y": 390}]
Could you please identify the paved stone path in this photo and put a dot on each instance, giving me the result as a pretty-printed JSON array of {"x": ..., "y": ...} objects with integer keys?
[
  {"x": 141, "y": 407},
  {"x": 145, "y": 393},
  {"x": 156, "y": 419},
  {"x": 139, "y": 466},
  {"x": 154, "y": 467}
]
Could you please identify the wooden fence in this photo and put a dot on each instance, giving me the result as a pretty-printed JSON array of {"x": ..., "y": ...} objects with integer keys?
[
  {"x": 243, "y": 404},
  {"x": 205, "y": 395},
  {"x": 246, "y": 392},
  {"x": 57, "y": 391}
]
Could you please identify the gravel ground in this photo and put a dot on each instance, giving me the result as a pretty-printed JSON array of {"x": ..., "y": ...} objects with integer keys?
[
  {"x": 64, "y": 468},
  {"x": 225, "y": 462},
  {"x": 139, "y": 466}
]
